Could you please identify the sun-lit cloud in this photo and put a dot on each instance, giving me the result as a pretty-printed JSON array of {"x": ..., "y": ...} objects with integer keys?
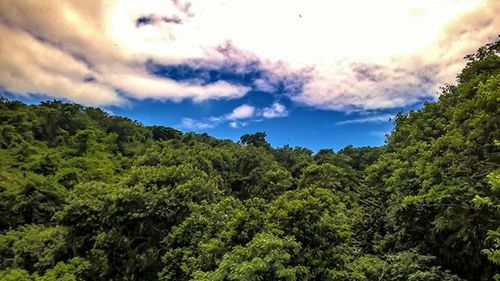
[
  {"x": 401, "y": 78},
  {"x": 337, "y": 55},
  {"x": 69, "y": 50}
]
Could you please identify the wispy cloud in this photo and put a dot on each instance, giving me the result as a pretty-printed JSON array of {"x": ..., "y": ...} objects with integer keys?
[
  {"x": 378, "y": 134},
  {"x": 370, "y": 119},
  {"x": 274, "y": 111},
  {"x": 191, "y": 124}
]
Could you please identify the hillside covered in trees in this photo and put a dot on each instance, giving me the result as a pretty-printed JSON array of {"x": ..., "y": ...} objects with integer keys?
[{"x": 89, "y": 196}]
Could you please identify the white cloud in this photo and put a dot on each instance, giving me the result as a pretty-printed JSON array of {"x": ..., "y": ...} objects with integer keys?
[
  {"x": 237, "y": 125},
  {"x": 192, "y": 124},
  {"x": 370, "y": 119},
  {"x": 233, "y": 124},
  {"x": 239, "y": 117},
  {"x": 345, "y": 55},
  {"x": 274, "y": 111},
  {"x": 244, "y": 111},
  {"x": 241, "y": 112}
]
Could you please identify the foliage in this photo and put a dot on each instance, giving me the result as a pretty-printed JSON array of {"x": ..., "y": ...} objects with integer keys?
[
  {"x": 434, "y": 170},
  {"x": 89, "y": 196}
]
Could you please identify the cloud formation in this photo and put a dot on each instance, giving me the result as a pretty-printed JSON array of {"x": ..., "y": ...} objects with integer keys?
[
  {"x": 239, "y": 117},
  {"x": 335, "y": 56},
  {"x": 73, "y": 50}
]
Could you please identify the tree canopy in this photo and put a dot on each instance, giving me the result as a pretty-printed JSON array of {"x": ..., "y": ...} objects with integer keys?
[{"x": 85, "y": 195}]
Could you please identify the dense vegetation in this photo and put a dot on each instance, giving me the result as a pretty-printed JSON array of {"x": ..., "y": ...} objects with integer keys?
[{"x": 89, "y": 196}]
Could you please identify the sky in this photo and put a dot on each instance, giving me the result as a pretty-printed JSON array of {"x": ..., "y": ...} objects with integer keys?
[{"x": 319, "y": 74}]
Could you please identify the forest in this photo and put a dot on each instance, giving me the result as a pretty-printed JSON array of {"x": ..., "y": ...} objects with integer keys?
[{"x": 85, "y": 195}]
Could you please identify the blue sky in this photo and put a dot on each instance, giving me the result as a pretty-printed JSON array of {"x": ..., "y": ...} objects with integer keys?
[{"x": 320, "y": 74}]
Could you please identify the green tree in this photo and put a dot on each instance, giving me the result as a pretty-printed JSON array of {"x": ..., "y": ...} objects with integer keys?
[{"x": 257, "y": 139}]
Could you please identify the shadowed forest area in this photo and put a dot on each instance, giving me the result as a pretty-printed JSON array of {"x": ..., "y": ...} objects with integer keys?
[{"x": 89, "y": 196}]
